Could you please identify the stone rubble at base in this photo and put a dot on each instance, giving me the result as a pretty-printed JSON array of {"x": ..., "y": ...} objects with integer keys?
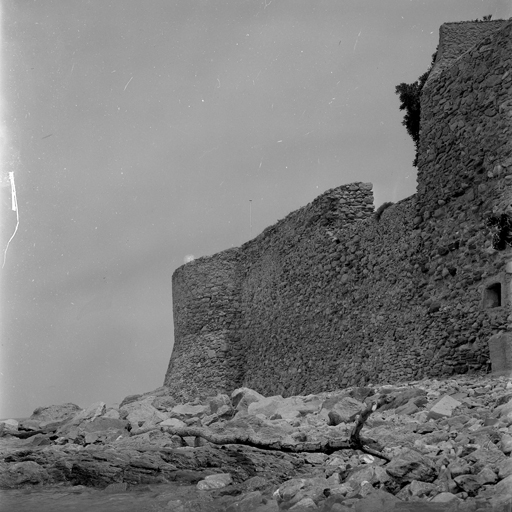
[{"x": 449, "y": 443}]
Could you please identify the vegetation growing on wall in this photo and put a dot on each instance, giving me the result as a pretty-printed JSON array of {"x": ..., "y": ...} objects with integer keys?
[
  {"x": 409, "y": 95},
  {"x": 501, "y": 226},
  {"x": 484, "y": 18}
]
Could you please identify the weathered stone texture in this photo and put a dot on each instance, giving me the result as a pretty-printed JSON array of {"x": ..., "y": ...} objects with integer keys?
[
  {"x": 500, "y": 349},
  {"x": 457, "y": 38},
  {"x": 331, "y": 296},
  {"x": 207, "y": 347}
]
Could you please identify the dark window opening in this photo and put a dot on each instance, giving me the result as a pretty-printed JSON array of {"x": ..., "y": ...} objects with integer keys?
[{"x": 492, "y": 296}]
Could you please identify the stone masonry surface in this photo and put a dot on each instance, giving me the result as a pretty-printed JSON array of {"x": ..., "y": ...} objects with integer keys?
[
  {"x": 332, "y": 296},
  {"x": 457, "y": 38}
]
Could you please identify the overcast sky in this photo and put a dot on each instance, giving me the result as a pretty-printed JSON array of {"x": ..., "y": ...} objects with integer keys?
[{"x": 138, "y": 132}]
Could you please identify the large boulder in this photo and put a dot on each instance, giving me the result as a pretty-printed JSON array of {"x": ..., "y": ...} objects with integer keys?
[
  {"x": 23, "y": 473},
  {"x": 219, "y": 408},
  {"x": 9, "y": 426},
  {"x": 412, "y": 465},
  {"x": 90, "y": 413},
  {"x": 217, "y": 481},
  {"x": 98, "y": 430},
  {"x": 378, "y": 501},
  {"x": 285, "y": 408},
  {"x": 46, "y": 418},
  {"x": 242, "y": 397},
  {"x": 505, "y": 468},
  {"x": 504, "y": 410},
  {"x": 266, "y": 406},
  {"x": 163, "y": 403},
  {"x": 129, "y": 399},
  {"x": 342, "y": 410},
  {"x": 297, "y": 490},
  {"x": 142, "y": 413},
  {"x": 188, "y": 411},
  {"x": 104, "y": 430},
  {"x": 218, "y": 401},
  {"x": 173, "y": 423},
  {"x": 402, "y": 396},
  {"x": 502, "y": 493},
  {"x": 256, "y": 429},
  {"x": 162, "y": 392},
  {"x": 367, "y": 473}
]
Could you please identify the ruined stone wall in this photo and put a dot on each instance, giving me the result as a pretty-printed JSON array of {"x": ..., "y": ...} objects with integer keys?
[
  {"x": 332, "y": 296},
  {"x": 465, "y": 123},
  {"x": 293, "y": 289},
  {"x": 207, "y": 346},
  {"x": 457, "y": 38}
]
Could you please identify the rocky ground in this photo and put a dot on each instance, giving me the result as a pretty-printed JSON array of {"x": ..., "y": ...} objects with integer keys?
[{"x": 434, "y": 445}]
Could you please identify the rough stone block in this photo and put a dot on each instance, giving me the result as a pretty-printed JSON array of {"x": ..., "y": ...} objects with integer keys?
[
  {"x": 500, "y": 351},
  {"x": 444, "y": 407}
]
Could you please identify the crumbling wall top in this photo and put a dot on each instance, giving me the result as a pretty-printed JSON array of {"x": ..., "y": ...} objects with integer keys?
[{"x": 455, "y": 39}]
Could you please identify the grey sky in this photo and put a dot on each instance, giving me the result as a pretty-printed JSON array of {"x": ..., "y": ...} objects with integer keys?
[{"x": 139, "y": 131}]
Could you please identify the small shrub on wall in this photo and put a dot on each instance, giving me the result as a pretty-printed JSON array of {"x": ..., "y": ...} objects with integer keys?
[{"x": 409, "y": 95}]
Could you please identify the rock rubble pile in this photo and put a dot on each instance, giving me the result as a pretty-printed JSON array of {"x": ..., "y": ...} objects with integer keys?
[{"x": 434, "y": 445}]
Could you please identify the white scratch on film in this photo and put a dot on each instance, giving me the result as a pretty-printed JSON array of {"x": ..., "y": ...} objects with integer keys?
[
  {"x": 357, "y": 38},
  {"x": 14, "y": 207},
  {"x": 128, "y": 83}
]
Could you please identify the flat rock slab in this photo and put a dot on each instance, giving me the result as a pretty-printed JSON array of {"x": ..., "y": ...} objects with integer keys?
[
  {"x": 102, "y": 465},
  {"x": 500, "y": 351},
  {"x": 444, "y": 407}
]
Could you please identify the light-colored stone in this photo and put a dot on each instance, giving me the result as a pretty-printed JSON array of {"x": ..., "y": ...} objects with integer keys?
[
  {"x": 469, "y": 483},
  {"x": 285, "y": 408},
  {"x": 218, "y": 401},
  {"x": 90, "y": 413},
  {"x": 500, "y": 352},
  {"x": 304, "y": 503},
  {"x": 55, "y": 413},
  {"x": 505, "y": 468},
  {"x": 487, "y": 476},
  {"x": 10, "y": 425},
  {"x": 267, "y": 407},
  {"x": 217, "y": 481},
  {"x": 242, "y": 397},
  {"x": 293, "y": 491},
  {"x": 506, "y": 444},
  {"x": 112, "y": 413},
  {"x": 444, "y": 407},
  {"x": 417, "y": 489},
  {"x": 142, "y": 412},
  {"x": 173, "y": 422},
  {"x": 187, "y": 411},
  {"x": 369, "y": 473},
  {"x": 504, "y": 410},
  {"x": 446, "y": 497},
  {"x": 502, "y": 492}
]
